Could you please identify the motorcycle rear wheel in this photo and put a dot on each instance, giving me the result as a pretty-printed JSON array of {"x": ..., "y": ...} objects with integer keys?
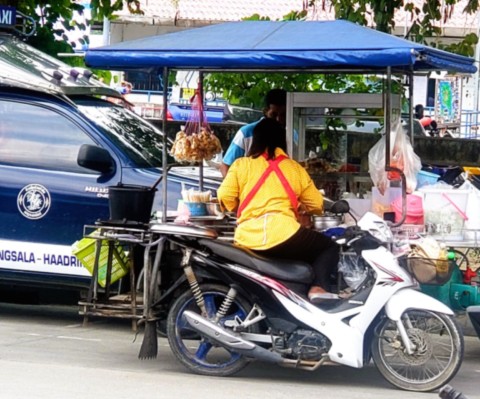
[
  {"x": 196, "y": 353},
  {"x": 437, "y": 356}
]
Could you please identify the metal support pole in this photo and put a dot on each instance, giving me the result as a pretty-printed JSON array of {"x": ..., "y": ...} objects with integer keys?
[
  {"x": 410, "y": 102},
  {"x": 200, "y": 93},
  {"x": 388, "y": 132},
  {"x": 164, "y": 150},
  {"x": 388, "y": 117}
]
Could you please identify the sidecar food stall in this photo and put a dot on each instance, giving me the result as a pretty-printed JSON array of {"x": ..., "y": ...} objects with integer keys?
[{"x": 266, "y": 46}]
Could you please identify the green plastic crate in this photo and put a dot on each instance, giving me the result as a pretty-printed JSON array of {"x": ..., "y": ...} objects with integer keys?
[{"x": 84, "y": 250}]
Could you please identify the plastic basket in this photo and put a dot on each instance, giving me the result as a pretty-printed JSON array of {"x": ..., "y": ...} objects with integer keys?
[
  {"x": 472, "y": 170},
  {"x": 84, "y": 250},
  {"x": 425, "y": 178},
  {"x": 425, "y": 270}
]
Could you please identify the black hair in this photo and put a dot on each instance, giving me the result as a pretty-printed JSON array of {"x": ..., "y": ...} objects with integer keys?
[
  {"x": 276, "y": 97},
  {"x": 419, "y": 111},
  {"x": 268, "y": 134}
]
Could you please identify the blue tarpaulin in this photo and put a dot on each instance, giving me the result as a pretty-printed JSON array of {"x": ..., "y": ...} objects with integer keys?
[{"x": 269, "y": 45}]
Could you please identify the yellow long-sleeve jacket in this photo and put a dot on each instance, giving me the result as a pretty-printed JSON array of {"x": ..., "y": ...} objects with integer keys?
[{"x": 269, "y": 219}]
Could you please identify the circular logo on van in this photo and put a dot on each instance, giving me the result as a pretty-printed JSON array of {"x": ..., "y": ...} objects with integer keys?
[{"x": 33, "y": 201}]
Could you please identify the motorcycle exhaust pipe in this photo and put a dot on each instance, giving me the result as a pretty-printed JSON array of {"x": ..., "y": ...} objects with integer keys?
[{"x": 228, "y": 340}]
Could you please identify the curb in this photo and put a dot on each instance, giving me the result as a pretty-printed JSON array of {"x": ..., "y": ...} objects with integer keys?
[{"x": 465, "y": 324}]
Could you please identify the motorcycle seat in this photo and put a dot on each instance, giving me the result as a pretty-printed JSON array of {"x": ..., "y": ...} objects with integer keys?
[{"x": 282, "y": 269}]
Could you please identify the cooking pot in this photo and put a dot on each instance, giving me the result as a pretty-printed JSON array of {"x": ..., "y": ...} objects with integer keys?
[{"x": 324, "y": 222}]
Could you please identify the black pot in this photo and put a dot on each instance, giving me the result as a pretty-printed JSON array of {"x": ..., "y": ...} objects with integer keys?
[{"x": 131, "y": 203}]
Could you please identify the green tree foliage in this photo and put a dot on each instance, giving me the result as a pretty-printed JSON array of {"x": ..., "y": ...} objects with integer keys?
[
  {"x": 54, "y": 19},
  {"x": 249, "y": 89},
  {"x": 425, "y": 21},
  {"x": 105, "y": 8}
]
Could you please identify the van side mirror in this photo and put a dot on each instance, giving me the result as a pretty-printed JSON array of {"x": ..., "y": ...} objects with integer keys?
[{"x": 95, "y": 158}]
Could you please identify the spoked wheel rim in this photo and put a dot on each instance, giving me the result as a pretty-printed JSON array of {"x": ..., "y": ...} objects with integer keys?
[
  {"x": 201, "y": 351},
  {"x": 435, "y": 357}
]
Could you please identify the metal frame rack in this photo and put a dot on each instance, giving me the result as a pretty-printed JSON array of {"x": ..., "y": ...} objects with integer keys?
[{"x": 131, "y": 306}]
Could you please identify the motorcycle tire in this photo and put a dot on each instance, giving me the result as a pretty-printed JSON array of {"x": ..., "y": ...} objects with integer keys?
[
  {"x": 437, "y": 356},
  {"x": 196, "y": 353}
]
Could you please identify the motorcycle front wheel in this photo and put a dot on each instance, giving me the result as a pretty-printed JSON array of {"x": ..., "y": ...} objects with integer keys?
[
  {"x": 437, "y": 355},
  {"x": 195, "y": 352}
]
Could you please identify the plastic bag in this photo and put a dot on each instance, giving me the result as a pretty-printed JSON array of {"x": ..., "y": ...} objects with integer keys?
[
  {"x": 196, "y": 142},
  {"x": 472, "y": 224},
  {"x": 353, "y": 269},
  {"x": 402, "y": 157}
]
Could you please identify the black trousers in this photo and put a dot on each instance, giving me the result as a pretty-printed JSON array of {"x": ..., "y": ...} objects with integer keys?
[{"x": 312, "y": 247}]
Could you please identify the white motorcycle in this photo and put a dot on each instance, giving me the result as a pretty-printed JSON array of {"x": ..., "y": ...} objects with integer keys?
[{"x": 241, "y": 306}]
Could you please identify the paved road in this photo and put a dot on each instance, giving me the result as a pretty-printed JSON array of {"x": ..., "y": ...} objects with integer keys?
[{"x": 46, "y": 353}]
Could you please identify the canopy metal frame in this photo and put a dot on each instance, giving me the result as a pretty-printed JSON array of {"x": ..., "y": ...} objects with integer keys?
[
  {"x": 387, "y": 96},
  {"x": 281, "y": 47}
]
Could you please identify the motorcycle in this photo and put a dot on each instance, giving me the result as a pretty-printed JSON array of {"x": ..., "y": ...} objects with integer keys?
[{"x": 241, "y": 307}]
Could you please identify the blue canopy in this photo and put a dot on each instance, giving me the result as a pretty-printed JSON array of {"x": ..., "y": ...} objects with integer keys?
[{"x": 269, "y": 45}]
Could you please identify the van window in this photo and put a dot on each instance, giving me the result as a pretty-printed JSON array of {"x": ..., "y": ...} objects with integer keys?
[
  {"x": 136, "y": 137},
  {"x": 38, "y": 137}
]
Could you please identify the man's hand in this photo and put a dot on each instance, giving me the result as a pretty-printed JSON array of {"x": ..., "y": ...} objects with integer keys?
[{"x": 224, "y": 169}]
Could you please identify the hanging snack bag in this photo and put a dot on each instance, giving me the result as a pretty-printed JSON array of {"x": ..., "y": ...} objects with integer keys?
[{"x": 196, "y": 142}]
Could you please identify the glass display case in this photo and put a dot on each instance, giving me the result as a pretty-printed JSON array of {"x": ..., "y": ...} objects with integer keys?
[{"x": 331, "y": 135}]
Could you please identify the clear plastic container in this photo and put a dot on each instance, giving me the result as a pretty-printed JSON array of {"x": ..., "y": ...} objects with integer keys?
[
  {"x": 382, "y": 204},
  {"x": 445, "y": 212}
]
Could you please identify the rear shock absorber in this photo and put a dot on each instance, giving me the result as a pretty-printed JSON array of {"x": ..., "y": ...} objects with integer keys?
[
  {"x": 192, "y": 281},
  {"x": 227, "y": 302}
]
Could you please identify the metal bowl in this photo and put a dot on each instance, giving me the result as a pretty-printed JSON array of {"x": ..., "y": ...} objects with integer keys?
[
  {"x": 325, "y": 222},
  {"x": 213, "y": 209}
]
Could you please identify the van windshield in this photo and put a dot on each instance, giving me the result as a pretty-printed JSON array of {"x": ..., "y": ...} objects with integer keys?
[{"x": 137, "y": 138}]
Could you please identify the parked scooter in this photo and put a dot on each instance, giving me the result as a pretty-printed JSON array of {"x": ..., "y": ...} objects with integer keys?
[
  {"x": 241, "y": 306},
  {"x": 461, "y": 292}
]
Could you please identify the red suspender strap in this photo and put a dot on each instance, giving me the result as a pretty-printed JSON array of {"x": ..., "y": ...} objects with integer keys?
[
  {"x": 286, "y": 185},
  {"x": 272, "y": 167},
  {"x": 255, "y": 189}
]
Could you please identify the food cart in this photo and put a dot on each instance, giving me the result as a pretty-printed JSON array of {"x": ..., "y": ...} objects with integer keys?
[{"x": 280, "y": 47}]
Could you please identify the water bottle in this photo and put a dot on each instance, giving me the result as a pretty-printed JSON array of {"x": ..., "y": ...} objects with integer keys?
[
  {"x": 442, "y": 261},
  {"x": 448, "y": 392}
]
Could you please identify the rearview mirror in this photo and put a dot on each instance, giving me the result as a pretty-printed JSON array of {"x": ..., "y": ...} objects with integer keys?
[
  {"x": 95, "y": 158},
  {"x": 341, "y": 206}
]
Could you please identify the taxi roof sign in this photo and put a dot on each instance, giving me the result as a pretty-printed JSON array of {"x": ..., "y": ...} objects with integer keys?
[{"x": 8, "y": 16}]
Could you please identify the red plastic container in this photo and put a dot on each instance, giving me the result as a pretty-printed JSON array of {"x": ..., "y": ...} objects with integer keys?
[{"x": 414, "y": 209}]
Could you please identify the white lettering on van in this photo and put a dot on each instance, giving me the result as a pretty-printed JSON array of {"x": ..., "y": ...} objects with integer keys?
[
  {"x": 17, "y": 256},
  {"x": 61, "y": 260},
  {"x": 6, "y": 17},
  {"x": 94, "y": 189}
]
